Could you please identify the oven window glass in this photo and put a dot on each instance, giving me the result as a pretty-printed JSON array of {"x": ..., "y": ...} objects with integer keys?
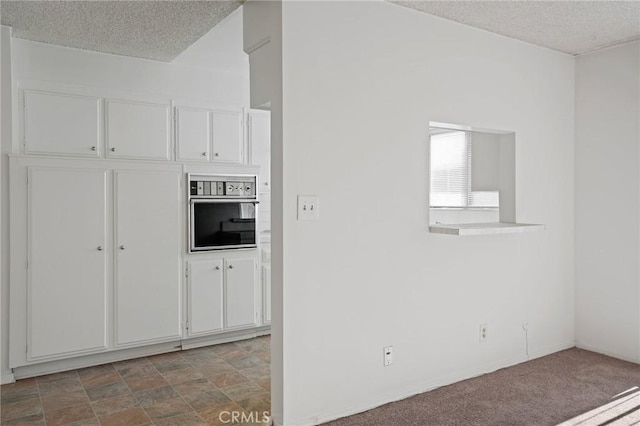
[{"x": 223, "y": 224}]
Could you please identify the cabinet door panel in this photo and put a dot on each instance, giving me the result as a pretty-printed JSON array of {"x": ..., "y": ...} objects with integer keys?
[
  {"x": 266, "y": 293},
  {"x": 228, "y": 139},
  {"x": 193, "y": 134},
  {"x": 205, "y": 296},
  {"x": 137, "y": 130},
  {"x": 67, "y": 285},
  {"x": 240, "y": 292},
  {"x": 260, "y": 144},
  {"x": 61, "y": 124},
  {"x": 147, "y": 287}
]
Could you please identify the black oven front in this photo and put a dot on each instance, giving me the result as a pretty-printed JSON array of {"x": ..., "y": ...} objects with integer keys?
[{"x": 224, "y": 217}]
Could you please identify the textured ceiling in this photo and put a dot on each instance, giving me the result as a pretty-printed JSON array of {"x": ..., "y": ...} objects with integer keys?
[
  {"x": 148, "y": 29},
  {"x": 161, "y": 30},
  {"x": 572, "y": 27}
]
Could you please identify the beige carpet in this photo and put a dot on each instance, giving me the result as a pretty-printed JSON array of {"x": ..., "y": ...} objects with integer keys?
[
  {"x": 623, "y": 410},
  {"x": 545, "y": 391}
]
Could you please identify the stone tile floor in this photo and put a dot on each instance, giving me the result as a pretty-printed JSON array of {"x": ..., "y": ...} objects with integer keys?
[{"x": 203, "y": 386}]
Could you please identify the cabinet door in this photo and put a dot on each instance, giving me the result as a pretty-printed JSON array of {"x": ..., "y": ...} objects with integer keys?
[
  {"x": 228, "y": 139},
  {"x": 67, "y": 243},
  {"x": 205, "y": 296},
  {"x": 266, "y": 293},
  {"x": 240, "y": 292},
  {"x": 137, "y": 130},
  {"x": 260, "y": 145},
  {"x": 147, "y": 268},
  {"x": 61, "y": 124},
  {"x": 193, "y": 134}
]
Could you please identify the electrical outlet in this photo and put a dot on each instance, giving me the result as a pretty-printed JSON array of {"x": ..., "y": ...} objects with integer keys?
[
  {"x": 483, "y": 333},
  {"x": 388, "y": 356},
  {"x": 308, "y": 207}
]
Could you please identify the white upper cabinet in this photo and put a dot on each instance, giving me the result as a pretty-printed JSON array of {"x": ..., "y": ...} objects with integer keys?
[
  {"x": 228, "y": 137},
  {"x": 193, "y": 134},
  {"x": 63, "y": 124},
  {"x": 137, "y": 130},
  {"x": 87, "y": 122},
  {"x": 260, "y": 144},
  {"x": 67, "y": 267},
  {"x": 208, "y": 133}
]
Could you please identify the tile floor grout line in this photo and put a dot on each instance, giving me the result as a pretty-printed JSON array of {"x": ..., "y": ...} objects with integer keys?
[
  {"x": 179, "y": 394},
  {"x": 44, "y": 417},
  {"x": 88, "y": 399},
  {"x": 131, "y": 390},
  {"x": 208, "y": 381}
]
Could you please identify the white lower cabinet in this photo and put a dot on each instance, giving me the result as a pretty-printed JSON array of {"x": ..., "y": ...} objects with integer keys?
[
  {"x": 266, "y": 291},
  {"x": 222, "y": 295},
  {"x": 240, "y": 293},
  {"x": 265, "y": 258},
  {"x": 206, "y": 296}
]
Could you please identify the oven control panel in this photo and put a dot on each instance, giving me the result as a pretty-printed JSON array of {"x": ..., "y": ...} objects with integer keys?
[{"x": 222, "y": 186}]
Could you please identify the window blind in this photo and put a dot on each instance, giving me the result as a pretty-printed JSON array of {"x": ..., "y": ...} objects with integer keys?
[
  {"x": 451, "y": 172},
  {"x": 450, "y": 161}
]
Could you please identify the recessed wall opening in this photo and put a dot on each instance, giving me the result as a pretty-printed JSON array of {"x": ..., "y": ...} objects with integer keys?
[{"x": 471, "y": 179}]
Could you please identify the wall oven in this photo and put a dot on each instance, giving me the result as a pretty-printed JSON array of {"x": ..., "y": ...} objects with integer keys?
[{"x": 222, "y": 212}]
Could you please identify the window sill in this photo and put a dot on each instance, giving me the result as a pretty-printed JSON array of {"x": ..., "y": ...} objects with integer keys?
[{"x": 463, "y": 229}]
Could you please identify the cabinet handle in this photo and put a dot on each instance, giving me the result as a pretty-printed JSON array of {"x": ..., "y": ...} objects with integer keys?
[
  {"x": 217, "y": 154},
  {"x": 230, "y": 266},
  {"x": 266, "y": 184},
  {"x": 93, "y": 148},
  {"x": 100, "y": 248},
  {"x": 113, "y": 150},
  {"x": 217, "y": 268},
  {"x": 121, "y": 247},
  {"x": 204, "y": 154}
]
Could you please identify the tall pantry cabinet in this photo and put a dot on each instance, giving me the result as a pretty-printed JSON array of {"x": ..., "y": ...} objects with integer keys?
[
  {"x": 102, "y": 256},
  {"x": 147, "y": 256},
  {"x": 67, "y": 261}
]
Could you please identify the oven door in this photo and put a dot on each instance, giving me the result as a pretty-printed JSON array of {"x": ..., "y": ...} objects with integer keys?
[{"x": 222, "y": 224}]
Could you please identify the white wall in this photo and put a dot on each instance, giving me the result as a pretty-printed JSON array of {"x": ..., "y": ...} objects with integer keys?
[
  {"x": 214, "y": 68},
  {"x": 607, "y": 242},
  {"x": 5, "y": 147},
  {"x": 485, "y": 162},
  {"x": 263, "y": 40},
  {"x": 192, "y": 74},
  {"x": 463, "y": 215},
  {"x": 220, "y": 49},
  {"x": 361, "y": 81}
]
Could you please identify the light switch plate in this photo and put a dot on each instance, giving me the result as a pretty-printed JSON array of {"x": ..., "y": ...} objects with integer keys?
[{"x": 308, "y": 207}]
